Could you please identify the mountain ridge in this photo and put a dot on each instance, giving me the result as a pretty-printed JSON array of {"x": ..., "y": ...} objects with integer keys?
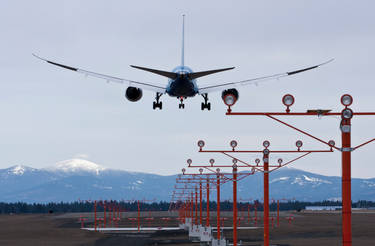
[{"x": 75, "y": 179}]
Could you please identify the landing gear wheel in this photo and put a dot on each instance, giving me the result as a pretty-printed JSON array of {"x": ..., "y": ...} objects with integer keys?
[
  {"x": 181, "y": 105},
  {"x": 205, "y": 104},
  {"x": 157, "y": 103}
]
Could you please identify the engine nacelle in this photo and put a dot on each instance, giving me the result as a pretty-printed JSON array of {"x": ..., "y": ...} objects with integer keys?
[
  {"x": 133, "y": 94},
  {"x": 233, "y": 95}
]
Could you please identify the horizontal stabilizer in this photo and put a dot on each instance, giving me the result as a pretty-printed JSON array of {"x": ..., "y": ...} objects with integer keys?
[
  {"x": 159, "y": 72},
  {"x": 204, "y": 73}
]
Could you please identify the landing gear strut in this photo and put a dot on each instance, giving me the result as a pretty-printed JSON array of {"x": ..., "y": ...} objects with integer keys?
[
  {"x": 181, "y": 105},
  {"x": 206, "y": 104},
  {"x": 157, "y": 103}
]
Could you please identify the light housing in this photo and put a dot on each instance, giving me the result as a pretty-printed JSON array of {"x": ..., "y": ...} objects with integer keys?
[
  {"x": 234, "y": 161},
  {"x": 288, "y": 100},
  {"x": 346, "y": 100},
  {"x": 266, "y": 151},
  {"x": 299, "y": 144},
  {"x": 201, "y": 143},
  {"x": 331, "y": 143},
  {"x": 200, "y": 170},
  {"x": 347, "y": 114},
  {"x": 266, "y": 144},
  {"x": 229, "y": 100},
  {"x": 233, "y": 144},
  {"x": 183, "y": 170},
  {"x": 189, "y": 161},
  {"x": 218, "y": 170},
  {"x": 257, "y": 161},
  {"x": 212, "y": 161},
  {"x": 280, "y": 161}
]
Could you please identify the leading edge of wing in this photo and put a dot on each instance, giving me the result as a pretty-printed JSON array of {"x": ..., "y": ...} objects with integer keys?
[
  {"x": 212, "y": 88},
  {"x": 146, "y": 86}
]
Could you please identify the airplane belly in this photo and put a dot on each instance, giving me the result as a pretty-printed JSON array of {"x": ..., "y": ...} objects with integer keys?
[{"x": 181, "y": 89}]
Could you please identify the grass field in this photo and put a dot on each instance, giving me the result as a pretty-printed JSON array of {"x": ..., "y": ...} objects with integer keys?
[{"x": 307, "y": 228}]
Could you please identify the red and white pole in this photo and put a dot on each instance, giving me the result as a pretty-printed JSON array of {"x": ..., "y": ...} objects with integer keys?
[
  {"x": 105, "y": 217},
  {"x": 278, "y": 213},
  {"x": 95, "y": 215},
  {"x": 208, "y": 204},
  {"x": 234, "y": 205},
  {"x": 196, "y": 206},
  {"x": 346, "y": 182},
  {"x": 139, "y": 216},
  {"x": 218, "y": 204},
  {"x": 200, "y": 202},
  {"x": 266, "y": 198}
]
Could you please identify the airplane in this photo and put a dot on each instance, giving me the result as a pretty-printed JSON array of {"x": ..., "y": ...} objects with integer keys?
[{"x": 182, "y": 81}]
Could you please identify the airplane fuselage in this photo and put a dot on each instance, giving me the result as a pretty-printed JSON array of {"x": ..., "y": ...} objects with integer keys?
[{"x": 182, "y": 86}]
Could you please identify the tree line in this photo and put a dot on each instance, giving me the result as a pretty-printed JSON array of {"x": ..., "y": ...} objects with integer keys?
[{"x": 88, "y": 206}]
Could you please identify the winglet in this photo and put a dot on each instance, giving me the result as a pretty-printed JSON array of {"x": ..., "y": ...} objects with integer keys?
[{"x": 309, "y": 68}]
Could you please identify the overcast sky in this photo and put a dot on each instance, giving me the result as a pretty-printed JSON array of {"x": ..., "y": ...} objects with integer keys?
[{"x": 49, "y": 114}]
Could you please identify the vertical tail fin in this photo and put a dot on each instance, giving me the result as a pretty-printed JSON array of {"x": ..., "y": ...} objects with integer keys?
[{"x": 183, "y": 42}]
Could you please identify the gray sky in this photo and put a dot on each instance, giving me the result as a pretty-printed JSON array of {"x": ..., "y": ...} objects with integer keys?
[{"x": 49, "y": 114}]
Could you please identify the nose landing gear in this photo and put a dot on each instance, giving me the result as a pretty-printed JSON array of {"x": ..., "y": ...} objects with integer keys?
[
  {"x": 157, "y": 103},
  {"x": 181, "y": 105},
  {"x": 206, "y": 104}
]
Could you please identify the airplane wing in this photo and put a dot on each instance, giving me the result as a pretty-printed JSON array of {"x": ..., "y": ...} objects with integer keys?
[
  {"x": 145, "y": 86},
  {"x": 255, "y": 81}
]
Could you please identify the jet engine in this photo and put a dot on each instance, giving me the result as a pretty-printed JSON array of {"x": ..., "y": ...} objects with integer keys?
[
  {"x": 230, "y": 96},
  {"x": 133, "y": 94}
]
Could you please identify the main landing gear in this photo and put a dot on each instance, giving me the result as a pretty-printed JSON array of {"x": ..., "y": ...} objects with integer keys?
[
  {"x": 206, "y": 104},
  {"x": 157, "y": 103},
  {"x": 181, "y": 105}
]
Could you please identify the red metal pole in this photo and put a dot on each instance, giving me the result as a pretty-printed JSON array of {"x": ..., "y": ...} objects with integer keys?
[
  {"x": 346, "y": 184},
  {"x": 110, "y": 215},
  {"x": 248, "y": 213},
  {"x": 105, "y": 217},
  {"x": 200, "y": 202},
  {"x": 95, "y": 215},
  {"x": 218, "y": 206},
  {"x": 255, "y": 214},
  {"x": 266, "y": 201},
  {"x": 278, "y": 213},
  {"x": 234, "y": 205},
  {"x": 196, "y": 206},
  {"x": 208, "y": 204},
  {"x": 139, "y": 214}
]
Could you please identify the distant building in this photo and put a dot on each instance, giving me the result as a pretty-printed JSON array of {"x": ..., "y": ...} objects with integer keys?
[{"x": 323, "y": 208}]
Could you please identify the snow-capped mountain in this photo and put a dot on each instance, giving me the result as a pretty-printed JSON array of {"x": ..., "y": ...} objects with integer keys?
[
  {"x": 75, "y": 166},
  {"x": 75, "y": 179}
]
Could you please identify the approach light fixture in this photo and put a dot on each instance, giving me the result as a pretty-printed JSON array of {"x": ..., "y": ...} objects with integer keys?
[
  {"x": 331, "y": 143},
  {"x": 212, "y": 161},
  {"x": 288, "y": 100},
  {"x": 189, "y": 161},
  {"x": 200, "y": 170},
  {"x": 347, "y": 114},
  {"x": 257, "y": 161},
  {"x": 299, "y": 144},
  {"x": 266, "y": 151},
  {"x": 280, "y": 161},
  {"x": 229, "y": 100},
  {"x": 183, "y": 170},
  {"x": 346, "y": 100},
  {"x": 218, "y": 170},
  {"x": 201, "y": 144},
  {"x": 266, "y": 144},
  {"x": 233, "y": 144}
]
